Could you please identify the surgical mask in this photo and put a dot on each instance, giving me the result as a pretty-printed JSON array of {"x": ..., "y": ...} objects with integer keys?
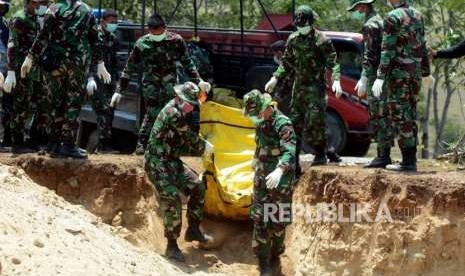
[
  {"x": 357, "y": 15},
  {"x": 112, "y": 27},
  {"x": 41, "y": 10},
  {"x": 304, "y": 30},
  {"x": 160, "y": 37}
]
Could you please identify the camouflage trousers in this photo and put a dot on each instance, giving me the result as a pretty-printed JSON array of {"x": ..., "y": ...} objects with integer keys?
[
  {"x": 101, "y": 106},
  {"x": 378, "y": 112},
  {"x": 402, "y": 109},
  {"x": 66, "y": 93},
  {"x": 171, "y": 178},
  {"x": 268, "y": 234},
  {"x": 156, "y": 96},
  {"x": 6, "y": 113}
]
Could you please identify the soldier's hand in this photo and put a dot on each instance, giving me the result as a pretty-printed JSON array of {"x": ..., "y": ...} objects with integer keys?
[
  {"x": 271, "y": 84},
  {"x": 362, "y": 86},
  {"x": 26, "y": 67},
  {"x": 91, "y": 86},
  {"x": 115, "y": 99},
  {"x": 205, "y": 86},
  {"x": 337, "y": 88},
  {"x": 102, "y": 73},
  {"x": 10, "y": 82},
  {"x": 208, "y": 153},
  {"x": 2, "y": 80},
  {"x": 378, "y": 87},
  {"x": 273, "y": 179}
]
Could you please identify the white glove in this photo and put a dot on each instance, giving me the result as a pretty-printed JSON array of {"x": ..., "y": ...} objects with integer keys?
[
  {"x": 208, "y": 153},
  {"x": 361, "y": 86},
  {"x": 378, "y": 87},
  {"x": 102, "y": 73},
  {"x": 428, "y": 82},
  {"x": 115, "y": 99},
  {"x": 10, "y": 82},
  {"x": 205, "y": 86},
  {"x": 271, "y": 84},
  {"x": 26, "y": 67},
  {"x": 2, "y": 80},
  {"x": 273, "y": 179},
  {"x": 91, "y": 86},
  {"x": 337, "y": 88}
]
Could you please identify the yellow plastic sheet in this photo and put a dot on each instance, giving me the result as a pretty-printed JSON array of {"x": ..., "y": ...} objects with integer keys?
[{"x": 230, "y": 177}]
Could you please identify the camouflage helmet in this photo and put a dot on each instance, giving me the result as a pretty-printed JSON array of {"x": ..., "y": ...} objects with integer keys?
[
  {"x": 188, "y": 92},
  {"x": 354, "y": 3},
  {"x": 304, "y": 16},
  {"x": 256, "y": 102}
]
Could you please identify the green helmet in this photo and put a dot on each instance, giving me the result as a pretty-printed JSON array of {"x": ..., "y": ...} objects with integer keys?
[
  {"x": 354, "y": 3},
  {"x": 304, "y": 16},
  {"x": 256, "y": 102},
  {"x": 188, "y": 92}
]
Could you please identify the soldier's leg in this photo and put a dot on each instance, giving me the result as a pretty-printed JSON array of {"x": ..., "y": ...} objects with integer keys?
[
  {"x": 104, "y": 113},
  {"x": 56, "y": 87},
  {"x": 7, "y": 107},
  {"x": 297, "y": 117},
  {"x": 315, "y": 130},
  {"x": 20, "y": 114}
]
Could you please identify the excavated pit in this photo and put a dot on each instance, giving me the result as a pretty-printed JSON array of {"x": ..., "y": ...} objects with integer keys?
[{"x": 429, "y": 240}]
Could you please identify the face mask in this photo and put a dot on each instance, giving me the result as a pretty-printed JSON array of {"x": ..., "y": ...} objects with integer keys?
[
  {"x": 160, "y": 37},
  {"x": 357, "y": 15},
  {"x": 112, "y": 27},
  {"x": 304, "y": 30},
  {"x": 41, "y": 10}
]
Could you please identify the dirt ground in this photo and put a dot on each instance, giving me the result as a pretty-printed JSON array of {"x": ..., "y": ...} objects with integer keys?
[{"x": 429, "y": 240}]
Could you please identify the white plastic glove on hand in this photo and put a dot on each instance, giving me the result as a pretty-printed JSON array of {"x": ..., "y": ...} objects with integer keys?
[
  {"x": 378, "y": 87},
  {"x": 337, "y": 88},
  {"x": 115, "y": 99},
  {"x": 2, "y": 80},
  {"x": 91, "y": 86},
  {"x": 208, "y": 153},
  {"x": 10, "y": 82},
  {"x": 102, "y": 73},
  {"x": 362, "y": 86},
  {"x": 271, "y": 84},
  {"x": 428, "y": 82},
  {"x": 26, "y": 67},
  {"x": 205, "y": 86},
  {"x": 273, "y": 179}
]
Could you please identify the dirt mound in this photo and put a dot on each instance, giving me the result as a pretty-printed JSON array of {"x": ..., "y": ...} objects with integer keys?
[
  {"x": 42, "y": 234},
  {"x": 425, "y": 237}
]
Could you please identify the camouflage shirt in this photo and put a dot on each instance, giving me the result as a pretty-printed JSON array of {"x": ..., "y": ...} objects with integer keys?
[
  {"x": 307, "y": 57},
  {"x": 159, "y": 59},
  {"x": 71, "y": 31},
  {"x": 404, "y": 54},
  {"x": 372, "y": 38},
  {"x": 23, "y": 31},
  {"x": 110, "y": 46},
  {"x": 276, "y": 141},
  {"x": 171, "y": 134}
]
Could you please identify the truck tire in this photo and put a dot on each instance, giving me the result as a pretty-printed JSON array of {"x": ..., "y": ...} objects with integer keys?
[{"x": 336, "y": 134}]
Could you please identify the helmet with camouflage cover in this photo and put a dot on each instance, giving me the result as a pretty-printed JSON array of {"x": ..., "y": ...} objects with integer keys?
[
  {"x": 256, "y": 102},
  {"x": 188, "y": 92},
  {"x": 304, "y": 16},
  {"x": 354, "y": 3}
]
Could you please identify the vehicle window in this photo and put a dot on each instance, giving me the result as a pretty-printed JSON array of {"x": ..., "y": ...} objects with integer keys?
[{"x": 349, "y": 57}]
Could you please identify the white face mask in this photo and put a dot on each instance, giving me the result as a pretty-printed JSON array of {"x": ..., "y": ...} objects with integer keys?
[
  {"x": 41, "y": 10},
  {"x": 304, "y": 30},
  {"x": 159, "y": 37}
]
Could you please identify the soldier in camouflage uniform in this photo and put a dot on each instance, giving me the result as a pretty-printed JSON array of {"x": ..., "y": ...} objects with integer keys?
[
  {"x": 309, "y": 53},
  {"x": 101, "y": 100},
  {"x": 282, "y": 93},
  {"x": 26, "y": 93},
  {"x": 170, "y": 138},
  {"x": 372, "y": 36},
  {"x": 158, "y": 53},
  {"x": 274, "y": 165},
  {"x": 404, "y": 61},
  {"x": 63, "y": 45},
  {"x": 5, "y": 99}
]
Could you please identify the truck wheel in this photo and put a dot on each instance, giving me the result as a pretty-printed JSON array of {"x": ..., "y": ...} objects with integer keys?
[{"x": 336, "y": 134}]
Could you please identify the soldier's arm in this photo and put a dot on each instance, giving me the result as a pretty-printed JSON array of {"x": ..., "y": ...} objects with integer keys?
[
  {"x": 452, "y": 52},
  {"x": 370, "y": 55},
  {"x": 425, "y": 62},
  {"x": 187, "y": 63},
  {"x": 388, "y": 46},
  {"x": 41, "y": 41},
  {"x": 331, "y": 60},
  {"x": 287, "y": 144},
  {"x": 14, "y": 63},
  {"x": 96, "y": 42},
  {"x": 194, "y": 142},
  {"x": 114, "y": 58},
  {"x": 287, "y": 60},
  {"x": 134, "y": 60}
]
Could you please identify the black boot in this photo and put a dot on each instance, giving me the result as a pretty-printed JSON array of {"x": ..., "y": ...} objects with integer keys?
[
  {"x": 73, "y": 151},
  {"x": 409, "y": 161},
  {"x": 105, "y": 147},
  {"x": 320, "y": 156},
  {"x": 173, "y": 252},
  {"x": 333, "y": 156},
  {"x": 141, "y": 146},
  {"x": 193, "y": 233},
  {"x": 382, "y": 160},
  {"x": 275, "y": 263},
  {"x": 264, "y": 266},
  {"x": 19, "y": 147}
]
